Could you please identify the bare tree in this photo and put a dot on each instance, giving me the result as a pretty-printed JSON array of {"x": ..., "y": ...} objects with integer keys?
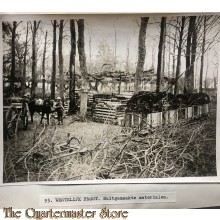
[
  {"x": 202, "y": 56},
  {"x": 127, "y": 67},
  {"x": 43, "y": 64},
  {"x": 164, "y": 50},
  {"x": 83, "y": 68},
  {"x": 189, "y": 74},
  {"x": 91, "y": 35},
  {"x": 174, "y": 52},
  {"x": 160, "y": 50},
  {"x": 25, "y": 61},
  {"x": 193, "y": 55},
  {"x": 141, "y": 54},
  {"x": 60, "y": 50},
  {"x": 115, "y": 52},
  {"x": 178, "y": 66},
  {"x": 34, "y": 29},
  {"x": 13, "y": 30},
  {"x": 72, "y": 104},
  {"x": 53, "y": 78}
]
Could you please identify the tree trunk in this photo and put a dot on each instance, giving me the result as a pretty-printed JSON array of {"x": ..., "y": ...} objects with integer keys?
[
  {"x": 189, "y": 85},
  {"x": 34, "y": 58},
  {"x": 72, "y": 103},
  {"x": 164, "y": 51},
  {"x": 169, "y": 58},
  {"x": 127, "y": 68},
  {"x": 202, "y": 56},
  {"x": 25, "y": 62},
  {"x": 53, "y": 78},
  {"x": 60, "y": 50},
  {"x": 206, "y": 75},
  {"x": 13, "y": 56},
  {"x": 178, "y": 65},
  {"x": 43, "y": 65},
  {"x": 193, "y": 57},
  {"x": 119, "y": 82},
  {"x": 83, "y": 68},
  {"x": 174, "y": 53},
  {"x": 34, "y": 62},
  {"x": 141, "y": 54},
  {"x": 115, "y": 52},
  {"x": 160, "y": 50}
]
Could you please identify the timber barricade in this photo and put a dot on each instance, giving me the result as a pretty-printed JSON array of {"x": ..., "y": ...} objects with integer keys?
[{"x": 156, "y": 119}]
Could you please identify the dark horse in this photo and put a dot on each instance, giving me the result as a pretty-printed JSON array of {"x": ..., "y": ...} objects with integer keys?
[{"x": 45, "y": 108}]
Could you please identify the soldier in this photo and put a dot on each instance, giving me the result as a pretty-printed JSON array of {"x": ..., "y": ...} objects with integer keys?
[
  {"x": 25, "y": 101},
  {"x": 59, "y": 109}
]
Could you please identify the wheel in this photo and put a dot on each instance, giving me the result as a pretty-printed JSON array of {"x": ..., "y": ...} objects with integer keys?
[{"x": 11, "y": 118}]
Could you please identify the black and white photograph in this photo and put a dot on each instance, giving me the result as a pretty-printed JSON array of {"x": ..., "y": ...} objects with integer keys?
[{"x": 109, "y": 97}]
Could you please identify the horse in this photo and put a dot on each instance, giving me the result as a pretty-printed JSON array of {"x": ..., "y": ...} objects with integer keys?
[{"x": 41, "y": 106}]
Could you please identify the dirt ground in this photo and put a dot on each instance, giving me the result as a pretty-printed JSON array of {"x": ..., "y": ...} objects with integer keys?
[{"x": 89, "y": 133}]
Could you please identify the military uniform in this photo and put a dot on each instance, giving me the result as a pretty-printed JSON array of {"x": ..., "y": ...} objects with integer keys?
[{"x": 59, "y": 109}]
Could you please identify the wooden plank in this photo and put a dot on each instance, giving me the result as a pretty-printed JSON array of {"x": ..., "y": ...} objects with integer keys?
[
  {"x": 173, "y": 116},
  {"x": 182, "y": 114},
  {"x": 200, "y": 110},
  {"x": 103, "y": 110},
  {"x": 156, "y": 119},
  {"x": 146, "y": 121},
  {"x": 166, "y": 117},
  {"x": 189, "y": 112},
  {"x": 104, "y": 116},
  {"x": 128, "y": 119},
  {"x": 205, "y": 109},
  {"x": 196, "y": 111},
  {"x": 137, "y": 119}
]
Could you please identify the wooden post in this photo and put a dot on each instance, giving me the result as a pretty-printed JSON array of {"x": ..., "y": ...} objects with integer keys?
[{"x": 83, "y": 103}]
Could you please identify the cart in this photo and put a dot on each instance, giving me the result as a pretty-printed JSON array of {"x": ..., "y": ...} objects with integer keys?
[{"x": 13, "y": 111}]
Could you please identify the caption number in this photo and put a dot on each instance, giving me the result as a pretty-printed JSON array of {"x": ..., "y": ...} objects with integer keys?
[{"x": 47, "y": 200}]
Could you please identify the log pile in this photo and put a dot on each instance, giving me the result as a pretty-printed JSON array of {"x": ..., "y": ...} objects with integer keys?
[{"x": 107, "y": 111}]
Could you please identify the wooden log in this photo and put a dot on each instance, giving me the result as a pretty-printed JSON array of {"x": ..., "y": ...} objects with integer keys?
[{"x": 83, "y": 104}]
